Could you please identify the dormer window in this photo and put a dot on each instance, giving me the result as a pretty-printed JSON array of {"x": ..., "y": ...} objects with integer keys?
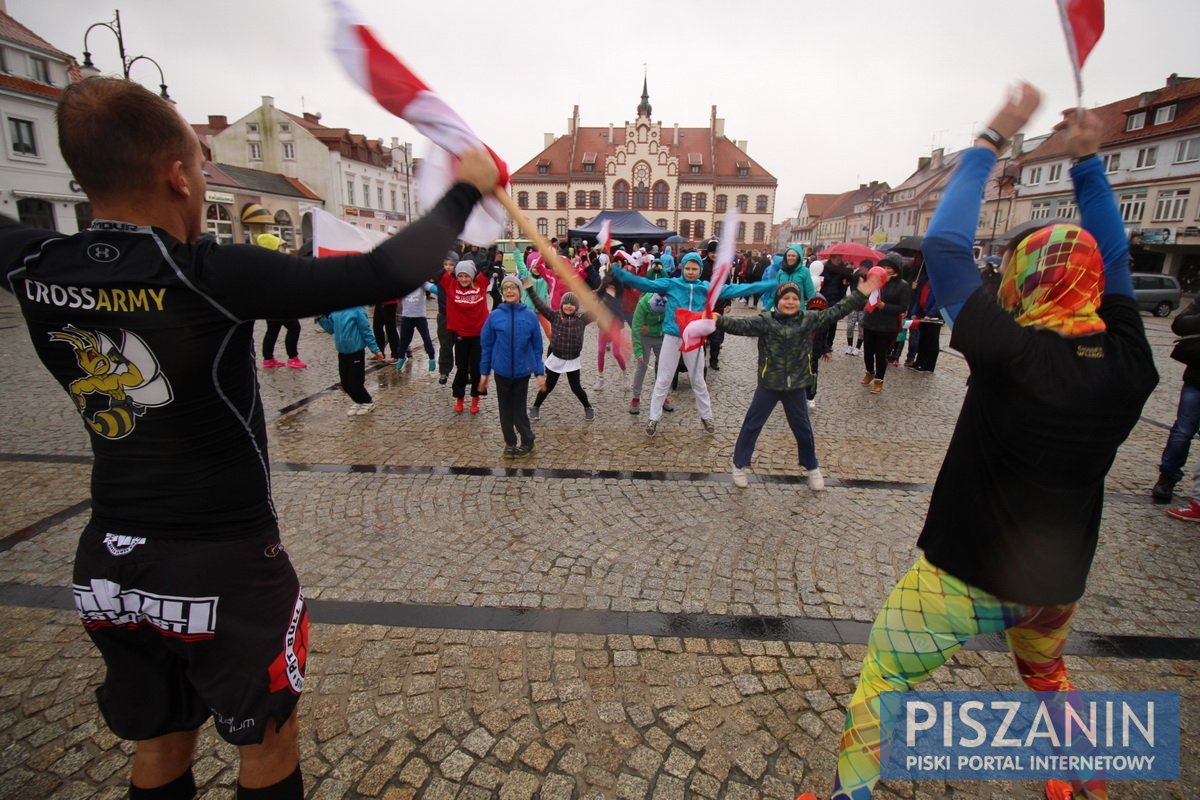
[
  {"x": 39, "y": 70},
  {"x": 543, "y": 166},
  {"x": 1136, "y": 121},
  {"x": 589, "y": 162},
  {"x": 1164, "y": 115},
  {"x": 743, "y": 168}
]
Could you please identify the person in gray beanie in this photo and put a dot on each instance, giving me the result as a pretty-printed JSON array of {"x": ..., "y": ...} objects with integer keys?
[
  {"x": 445, "y": 356},
  {"x": 466, "y": 312}
]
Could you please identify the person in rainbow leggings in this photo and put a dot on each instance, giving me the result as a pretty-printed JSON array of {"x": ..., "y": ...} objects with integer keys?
[{"x": 1060, "y": 370}]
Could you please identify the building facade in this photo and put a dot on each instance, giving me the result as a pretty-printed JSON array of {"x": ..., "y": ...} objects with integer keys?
[
  {"x": 360, "y": 180},
  {"x": 681, "y": 179},
  {"x": 242, "y": 203},
  {"x": 36, "y": 185}
]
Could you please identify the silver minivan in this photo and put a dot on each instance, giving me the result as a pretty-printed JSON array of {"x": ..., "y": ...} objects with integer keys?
[{"x": 1158, "y": 294}]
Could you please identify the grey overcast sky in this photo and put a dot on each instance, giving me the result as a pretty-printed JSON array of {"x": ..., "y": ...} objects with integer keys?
[{"x": 828, "y": 94}]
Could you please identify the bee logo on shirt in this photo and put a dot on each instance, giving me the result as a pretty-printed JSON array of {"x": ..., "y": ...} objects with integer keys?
[{"x": 119, "y": 383}]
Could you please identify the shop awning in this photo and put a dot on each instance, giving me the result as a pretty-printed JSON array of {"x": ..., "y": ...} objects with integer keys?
[{"x": 52, "y": 198}]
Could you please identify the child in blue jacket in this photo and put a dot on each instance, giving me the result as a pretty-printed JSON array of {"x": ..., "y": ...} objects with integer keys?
[
  {"x": 351, "y": 334},
  {"x": 511, "y": 346}
]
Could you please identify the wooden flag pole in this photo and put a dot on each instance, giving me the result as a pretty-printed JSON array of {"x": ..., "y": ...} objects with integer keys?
[{"x": 587, "y": 298}]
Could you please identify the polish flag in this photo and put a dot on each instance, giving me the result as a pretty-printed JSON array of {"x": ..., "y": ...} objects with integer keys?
[
  {"x": 398, "y": 90},
  {"x": 1083, "y": 23},
  {"x": 694, "y": 326},
  {"x": 335, "y": 237},
  {"x": 604, "y": 241}
]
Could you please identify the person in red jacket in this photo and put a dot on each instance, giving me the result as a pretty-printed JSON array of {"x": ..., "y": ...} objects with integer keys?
[{"x": 466, "y": 312}]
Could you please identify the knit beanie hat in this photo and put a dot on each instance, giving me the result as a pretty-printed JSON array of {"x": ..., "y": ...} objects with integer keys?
[
  {"x": 569, "y": 298},
  {"x": 513, "y": 279},
  {"x": 817, "y": 303},
  {"x": 785, "y": 289},
  {"x": 658, "y": 304},
  {"x": 467, "y": 266},
  {"x": 450, "y": 256}
]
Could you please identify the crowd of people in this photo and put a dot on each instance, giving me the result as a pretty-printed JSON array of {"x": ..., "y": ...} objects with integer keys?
[{"x": 181, "y": 493}]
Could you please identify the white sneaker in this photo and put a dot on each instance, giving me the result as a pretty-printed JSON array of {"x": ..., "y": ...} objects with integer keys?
[
  {"x": 816, "y": 481},
  {"x": 352, "y": 410},
  {"x": 858, "y": 351},
  {"x": 849, "y": 350},
  {"x": 812, "y": 403},
  {"x": 739, "y": 477},
  {"x": 366, "y": 408}
]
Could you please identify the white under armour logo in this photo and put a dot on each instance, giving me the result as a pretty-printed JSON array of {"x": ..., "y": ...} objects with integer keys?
[{"x": 104, "y": 253}]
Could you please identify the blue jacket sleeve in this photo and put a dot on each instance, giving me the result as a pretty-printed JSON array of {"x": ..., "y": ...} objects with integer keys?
[
  {"x": 535, "y": 346},
  {"x": 486, "y": 337},
  {"x": 638, "y": 282},
  {"x": 326, "y": 323},
  {"x": 364, "y": 327},
  {"x": 949, "y": 243},
  {"x": 1100, "y": 216},
  {"x": 745, "y": 289}
]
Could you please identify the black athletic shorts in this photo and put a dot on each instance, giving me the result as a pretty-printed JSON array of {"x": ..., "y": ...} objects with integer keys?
[{"x": 193, "y": 628}]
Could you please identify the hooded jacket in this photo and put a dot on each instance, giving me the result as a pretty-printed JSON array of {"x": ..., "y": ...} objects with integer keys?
[
  {"x": 511, "y": 343},
  {"x": 896, "y": 298},
  {"x": 668, "y": 261},
  {"x": 799, "y": 275},
  {"x": 643, "y": 317},
  {"x": 351, "y": 330},
  {"x": 566, "y": 332},
  {"x": 685, "y": 294},
  {"x": 785, "y": 342}
]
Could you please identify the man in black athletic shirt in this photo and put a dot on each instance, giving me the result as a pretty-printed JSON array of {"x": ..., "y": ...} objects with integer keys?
[{"x": 180, "y": 578}]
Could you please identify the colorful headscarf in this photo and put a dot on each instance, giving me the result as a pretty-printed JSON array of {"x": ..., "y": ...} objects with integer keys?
[{"x": 1055, "y": 280}]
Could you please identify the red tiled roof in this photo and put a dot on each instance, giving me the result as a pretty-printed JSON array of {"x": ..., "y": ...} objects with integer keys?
[
  {"x": 30, "y": 87},
  {"x": 818, "y": 204},
  {"x": 844, "y": 204},
  {"x": 1184, "y": 92},
  {"x": 566, "y": 156},
  {"x": 16, "y": 32},
  {"x": 302, "y": 188}
]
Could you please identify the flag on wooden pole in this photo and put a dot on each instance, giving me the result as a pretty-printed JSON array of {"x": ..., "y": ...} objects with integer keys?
[
  {"x": 1083, "y": 23},
  {"x": 694, "y": 326},
  {"x": 395, "y": 87}
]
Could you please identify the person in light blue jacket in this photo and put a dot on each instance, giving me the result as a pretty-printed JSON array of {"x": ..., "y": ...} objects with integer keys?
[
  {"x": 511, "y": 346},
  {"x": 688, "y": 293},
  {"x": 791, "y": 269},
  {"x": 351, "y": 335}
]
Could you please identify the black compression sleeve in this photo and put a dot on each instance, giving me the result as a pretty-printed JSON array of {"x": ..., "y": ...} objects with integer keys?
[{"x": 254, "y": 283}]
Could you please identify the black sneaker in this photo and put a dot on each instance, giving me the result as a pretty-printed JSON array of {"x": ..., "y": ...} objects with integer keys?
[
  {"x": 524, "y": 451},
  {"x": 510, "y": 452},
  {"x": 534, "y": 412},
  {"x": 1163, "y": 491},
  {"x": 589, "y": 413},
  {"x": 709, "y": 427},
  {"x": 442, "y": 379}
]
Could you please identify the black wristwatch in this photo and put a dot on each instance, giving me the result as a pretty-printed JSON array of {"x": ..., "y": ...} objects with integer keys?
[{"x": 993, "y": 137}]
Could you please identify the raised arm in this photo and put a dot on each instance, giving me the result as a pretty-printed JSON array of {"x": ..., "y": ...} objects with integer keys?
[
  {"x": 949, "y": 256},
  {"x": 637, "y": 281},
  {"x": 1098, "y": 211},
  {"x": 732, "y": 290}
]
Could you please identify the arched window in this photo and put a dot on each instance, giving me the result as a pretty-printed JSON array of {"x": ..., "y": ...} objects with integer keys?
[
  {"x": 543, "y": 200},
  {"x": 743, "y": 203},
  {"x": 722, "y": 203},
  {"x": 685, "y": 201},
  {"x": 543, "y": 226},
  {"x": 283, "y": 223},
  {"x": 560, "y": 200},
  {"x": 641, "y": 196},
  {"x": 741, "y": 232},
  {"x": 594, "y": 198},
  {"x": 660, "y": 223},
  {"x": 660, "y": 195},
  {"x": 581, "y": 199},
  {"x": 560, "y": 228},
  {"x": 523, "y": 199},
  {"x": 717, "y": 229},
  {"x": 760, "y": 204},
  {"x": 698, "y": 229},
  {"x": 760, "y": 231},
  {"x": 620, "y": 194},
  {"x": 685, "y": 228},
  {"x": 219, "y": 223},
  {"x": 701, "y": 201},
  {"x": 36, "y": 213}
]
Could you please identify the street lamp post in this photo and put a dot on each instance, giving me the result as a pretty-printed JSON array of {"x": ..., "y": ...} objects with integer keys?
[{"x": 90, "y": 70}]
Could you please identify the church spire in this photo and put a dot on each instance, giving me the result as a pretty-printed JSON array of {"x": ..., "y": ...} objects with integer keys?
[{"x": 643, "y": 108}]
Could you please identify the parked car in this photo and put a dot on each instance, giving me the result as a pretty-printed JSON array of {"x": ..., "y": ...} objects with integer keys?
[{"x": 1158, "y": 294}]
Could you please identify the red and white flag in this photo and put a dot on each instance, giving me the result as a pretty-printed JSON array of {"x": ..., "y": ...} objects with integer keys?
[
  {"x": 1083, "y": 23},
  {"x": 334, "y": 237},
  {"x": 693, "y": 325},
  {"x": 604, "y": 240},
  {"x": 398, "y": 90}
]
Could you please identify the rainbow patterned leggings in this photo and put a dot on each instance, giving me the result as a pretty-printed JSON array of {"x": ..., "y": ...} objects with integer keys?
[{"x": 928, "y": 616}]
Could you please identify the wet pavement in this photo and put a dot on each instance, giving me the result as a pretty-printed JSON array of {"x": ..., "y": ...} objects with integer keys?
[{"x": 608, "y": 618}]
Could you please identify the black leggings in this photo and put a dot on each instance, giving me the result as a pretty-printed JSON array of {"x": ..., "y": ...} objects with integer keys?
[
  {"x": 875, "y": 351},
  {"x": 291, "y": 341},
  {"x": 466, "y": 362},
  {"x": 352, "y": 368},
  {"x": 552, "y": 379},
  {"x": 384, "y": 328}
]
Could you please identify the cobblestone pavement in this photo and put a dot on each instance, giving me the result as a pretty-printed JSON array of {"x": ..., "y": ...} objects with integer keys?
[{"x": 412, "y": 505}]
